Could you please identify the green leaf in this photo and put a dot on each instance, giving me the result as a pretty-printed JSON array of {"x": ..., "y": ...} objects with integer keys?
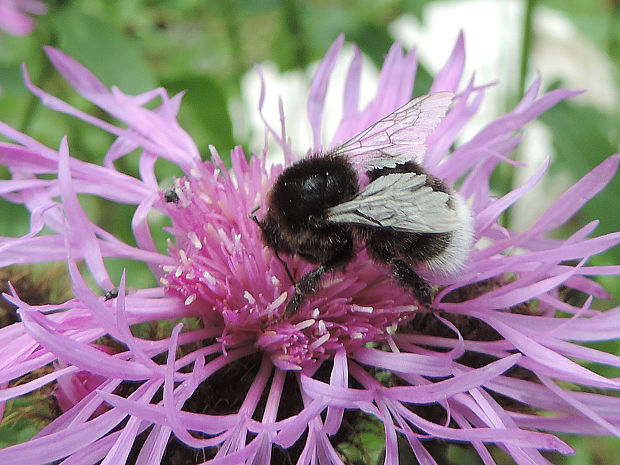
[
  {"x": 18, "y": 225},
  {"x": 290, "y": 48},
  {"x": 416, "y": 7},
  {"x": 103, "y": 49},
  {"x": 204, "y": 113},
  {"x": 423, "y": 81},
  {"x": 373, "y": 40},
  {"x": 581, "y": 137}
]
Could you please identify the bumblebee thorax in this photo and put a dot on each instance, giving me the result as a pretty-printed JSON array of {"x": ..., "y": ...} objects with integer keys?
[{"x": 304, "y": 191}]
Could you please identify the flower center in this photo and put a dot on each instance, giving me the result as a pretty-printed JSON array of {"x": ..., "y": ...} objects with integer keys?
[{"x": 232, "y": 281}]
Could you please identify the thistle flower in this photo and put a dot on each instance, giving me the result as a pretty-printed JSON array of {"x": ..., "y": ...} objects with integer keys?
[
  {"x": 14, "y": 17},
  {"x": 244, "y": 385}
]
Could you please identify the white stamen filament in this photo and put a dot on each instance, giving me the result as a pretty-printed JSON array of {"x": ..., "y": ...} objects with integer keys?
[
  {"x": 279, "y": 301},
  {"x": 319, "y": 342},
  {"x": 208, "y": 277},
  {"x": 193, "y": 237},
  {"x": 249, "y": 297},
  {"x": 359, "y": 308},
  {"x": 304, "y": 324}
]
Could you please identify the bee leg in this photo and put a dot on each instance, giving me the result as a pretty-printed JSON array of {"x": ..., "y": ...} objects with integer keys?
[
  {"x": 380, "y": 251},
  {"x": 309, "y": 283},
  {"x": 293, "y": 305},
  {"x": 406, "y": 277}
]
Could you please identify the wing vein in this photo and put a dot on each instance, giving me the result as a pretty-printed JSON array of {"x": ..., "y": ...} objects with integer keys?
[{"x": 400, "y": 201}]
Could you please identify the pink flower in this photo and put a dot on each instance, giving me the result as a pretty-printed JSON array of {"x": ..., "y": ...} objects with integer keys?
[
  {"x": 14, "y": 17},
  {"x": 232, "y": 377}
]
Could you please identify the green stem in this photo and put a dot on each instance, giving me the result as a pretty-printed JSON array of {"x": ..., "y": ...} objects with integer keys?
[
  {"x": 292, "y": 18},
  {"x": 612, "y": 33},
  {"x": 526, "y": 45},
  {"x": 506, "y": 172},
  {"x": 613, "y": 45},
  {"x": 33, "y": 101},
  {"x": 44, "y": 75},
  {"x": 230, "y": 15}
]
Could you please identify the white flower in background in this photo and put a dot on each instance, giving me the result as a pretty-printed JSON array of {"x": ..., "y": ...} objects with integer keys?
[
  {"x": 494, "y": 33},
  {"x": 290, "y": 86}
]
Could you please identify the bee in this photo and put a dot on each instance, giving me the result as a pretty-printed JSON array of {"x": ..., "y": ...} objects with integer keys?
[
  {"x": 371, "y": 190},
  {"x": 171, "y": 196},
  {"x": 111, "y": 294}
]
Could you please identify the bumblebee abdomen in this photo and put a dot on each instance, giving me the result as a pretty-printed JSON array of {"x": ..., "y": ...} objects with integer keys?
[
  {"x": 384, "y": 244},
  {"x": 443, "y": 253}
]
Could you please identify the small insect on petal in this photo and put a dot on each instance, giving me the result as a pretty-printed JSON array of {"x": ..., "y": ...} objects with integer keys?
[
  {"x": 111, "y": 294},
  {"x": 171, "y": 196}
]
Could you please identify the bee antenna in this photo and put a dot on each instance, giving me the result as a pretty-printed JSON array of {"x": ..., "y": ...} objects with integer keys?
[{"x": 253, "y": 216}]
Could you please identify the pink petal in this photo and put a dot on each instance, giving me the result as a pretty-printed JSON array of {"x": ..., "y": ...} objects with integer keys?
[
  {"x": 449, "y": 76},
  {"x": 318, "y": 90}
]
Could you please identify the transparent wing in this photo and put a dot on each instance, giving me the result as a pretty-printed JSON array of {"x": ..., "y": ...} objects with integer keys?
[
  {"x": 400, "y": 201},
  {"x": 400, "y": 136}
]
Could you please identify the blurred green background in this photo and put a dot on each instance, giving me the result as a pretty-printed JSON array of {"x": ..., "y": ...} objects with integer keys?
[{"x": 207, "y": 47}]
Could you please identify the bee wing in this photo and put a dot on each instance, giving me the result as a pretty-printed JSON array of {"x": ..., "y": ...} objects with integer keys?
[
  {"x": 400, "y": 136},
  {"x": 400, "y": 201}
]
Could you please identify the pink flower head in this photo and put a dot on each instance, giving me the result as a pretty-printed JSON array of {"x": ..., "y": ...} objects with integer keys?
[
  {"x": 14, "y": 15},
  {"x": 232, "y": 376}
]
